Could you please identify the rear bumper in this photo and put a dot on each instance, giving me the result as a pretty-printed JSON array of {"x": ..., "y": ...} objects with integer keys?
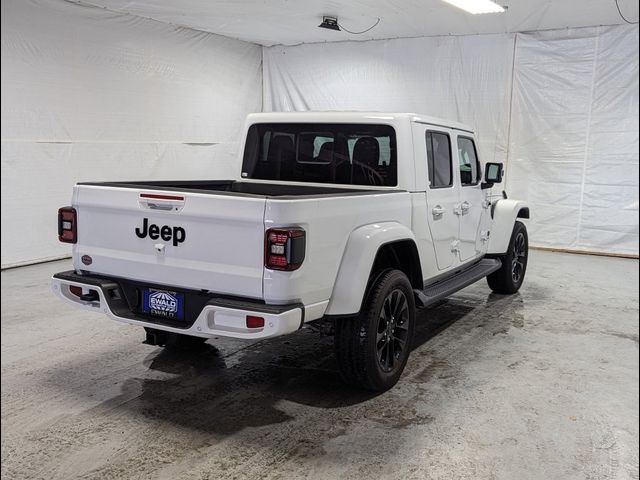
[{"x": 208, "y": 315}]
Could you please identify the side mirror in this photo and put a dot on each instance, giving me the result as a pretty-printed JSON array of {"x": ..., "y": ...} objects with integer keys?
[{"x": 493, "y": 174}]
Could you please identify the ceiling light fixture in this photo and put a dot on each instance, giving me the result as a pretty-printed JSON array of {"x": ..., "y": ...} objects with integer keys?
[
  {"x": 476, "y": 7},
  {"x": 330, "y": 23}
]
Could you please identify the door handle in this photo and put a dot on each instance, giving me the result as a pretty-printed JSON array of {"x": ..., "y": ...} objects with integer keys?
[
  {"x": 160, "y": 206},
  {"x": 438, "y": 211},
  {"x": 462, "y": 208}
]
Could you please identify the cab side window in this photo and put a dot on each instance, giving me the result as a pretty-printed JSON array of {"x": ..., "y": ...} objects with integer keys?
[
  {"x": 439, "y": 160},
  {"x": 469, "y": 163}
]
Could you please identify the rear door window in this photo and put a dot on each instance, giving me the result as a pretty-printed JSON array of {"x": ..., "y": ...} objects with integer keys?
[{"x": 439, "y": 160}]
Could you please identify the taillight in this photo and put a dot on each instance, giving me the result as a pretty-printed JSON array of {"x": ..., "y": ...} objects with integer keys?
[
  {"x": 284, "y": 248},
  {"x": 67, "y": 225}
]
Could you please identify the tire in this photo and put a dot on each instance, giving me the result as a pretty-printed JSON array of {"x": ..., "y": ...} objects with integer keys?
[
  {"x": 174, "y": 341},
  {"x": 372, "y": 348},
  {"x": 509, "y": 278}
]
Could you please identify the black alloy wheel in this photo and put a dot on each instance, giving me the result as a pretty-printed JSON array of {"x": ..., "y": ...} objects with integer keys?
[
  {"x": 508, "y": 279},
  {"x": 372, "y": 348},
  {"x": 393, "y": 330},
  {"x": 518, "y": 263}
]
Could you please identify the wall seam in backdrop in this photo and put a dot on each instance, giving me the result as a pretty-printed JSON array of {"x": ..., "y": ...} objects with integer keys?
[
  {"x": 588, "y": 133},
  {"x": 36, "y": 261},
  {"x": 110, "y": 142},
  {"x": 413, "y": 37},
  {"x": 264, "y": 85},
  {"x": 510, "y": 116},
  {"x": 83, "y": 3}
]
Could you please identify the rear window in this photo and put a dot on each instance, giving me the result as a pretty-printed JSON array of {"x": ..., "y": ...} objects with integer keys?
[{"x": 349, "y": 154}]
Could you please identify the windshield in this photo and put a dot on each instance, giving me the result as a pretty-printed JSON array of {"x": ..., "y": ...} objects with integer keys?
[{"x": 351, "y": 154}]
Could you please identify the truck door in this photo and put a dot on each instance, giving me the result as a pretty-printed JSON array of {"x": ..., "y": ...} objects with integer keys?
[
  {"x": 472, "y": 206},
  {"x": 442, "y": 195}
]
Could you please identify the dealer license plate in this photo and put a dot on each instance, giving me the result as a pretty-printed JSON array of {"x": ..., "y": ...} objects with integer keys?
[{"x": 163, "y": 303}]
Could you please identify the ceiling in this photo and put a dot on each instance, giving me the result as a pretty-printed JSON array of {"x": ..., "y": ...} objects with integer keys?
[{"x": 290, "y": 22}]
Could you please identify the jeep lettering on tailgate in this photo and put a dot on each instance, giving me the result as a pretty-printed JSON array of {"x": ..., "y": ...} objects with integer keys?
[{"x": 165, "y": 232}]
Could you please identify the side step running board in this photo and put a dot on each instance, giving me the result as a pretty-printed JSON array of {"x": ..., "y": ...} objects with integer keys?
[{"x": 444, "y": 288}]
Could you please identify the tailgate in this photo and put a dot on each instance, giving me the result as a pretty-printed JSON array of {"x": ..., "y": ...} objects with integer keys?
[{"x": 208, "y": 241}]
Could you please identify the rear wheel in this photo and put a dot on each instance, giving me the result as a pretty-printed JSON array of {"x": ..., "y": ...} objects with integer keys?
[
  {"x": 372, "y": 349},
  {"x": 177, "y": 341},
  {"x": 509, "y": 278}
]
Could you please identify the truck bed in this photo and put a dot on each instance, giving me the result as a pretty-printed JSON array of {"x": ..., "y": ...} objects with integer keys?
[{"x": 236, "y": 188}]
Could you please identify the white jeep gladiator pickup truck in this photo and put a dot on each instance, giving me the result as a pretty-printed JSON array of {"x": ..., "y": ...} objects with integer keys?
[{"x": 354, "y": 218}]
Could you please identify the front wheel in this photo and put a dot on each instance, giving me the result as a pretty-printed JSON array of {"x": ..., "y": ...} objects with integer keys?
[
  {"x": 372, "y": 348},
  {"x": 508, "y": 279}
]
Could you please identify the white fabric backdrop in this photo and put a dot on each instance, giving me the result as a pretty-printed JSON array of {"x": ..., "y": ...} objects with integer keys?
[
  {"x": 574, "y": 136},
  {"x": 573, "y": 127},
  {"x": 93, "y": 95},
  {"x": 464, "y": 78}
]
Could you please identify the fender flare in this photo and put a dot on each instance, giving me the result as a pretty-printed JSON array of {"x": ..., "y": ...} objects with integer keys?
[
  {"x": 355, "y": 267},
  {"x": 505, "y": 212}
]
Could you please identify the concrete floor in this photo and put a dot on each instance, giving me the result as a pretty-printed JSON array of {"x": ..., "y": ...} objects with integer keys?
[{"x": 540, "y": 385}]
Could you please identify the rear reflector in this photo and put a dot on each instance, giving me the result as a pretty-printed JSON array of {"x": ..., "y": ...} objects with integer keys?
[
  {"x": 67, "y": 225},
  {"x": 77, "y": 291},
  {"x": 284, "y": 248},
  {"x": 255, "y": 322}
]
